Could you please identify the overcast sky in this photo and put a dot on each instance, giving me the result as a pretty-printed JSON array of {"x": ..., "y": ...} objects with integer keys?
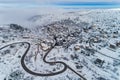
[
  {"x": 38, "y": 3},
  {"x": 18, "y": 11},
  {"x": 53, "y": 1},
  {"x": 50, "y": 1}
]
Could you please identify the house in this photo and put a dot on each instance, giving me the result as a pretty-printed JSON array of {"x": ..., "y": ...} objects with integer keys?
[
  {"x": 118, "y": 44},
  {"x": 99, "y": 62},
  {"x": 77, "y": 47},
  {"x": 112, "y": 46}
]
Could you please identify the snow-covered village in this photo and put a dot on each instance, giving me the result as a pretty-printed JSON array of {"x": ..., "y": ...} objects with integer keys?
[{"x": 74, "y": 45}]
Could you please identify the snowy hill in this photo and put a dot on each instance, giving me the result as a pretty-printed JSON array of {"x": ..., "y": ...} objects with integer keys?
[{"x": 70, "y": 45}]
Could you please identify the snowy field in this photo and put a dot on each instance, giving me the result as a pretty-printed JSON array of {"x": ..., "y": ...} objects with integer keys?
[{"x": 59, "y": 44}]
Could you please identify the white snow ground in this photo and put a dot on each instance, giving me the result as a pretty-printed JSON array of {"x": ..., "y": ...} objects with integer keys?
[{"x": 104, "y": 23}]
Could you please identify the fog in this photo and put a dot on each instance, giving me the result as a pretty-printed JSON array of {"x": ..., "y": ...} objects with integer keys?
[{"x": 21, "y": 15}]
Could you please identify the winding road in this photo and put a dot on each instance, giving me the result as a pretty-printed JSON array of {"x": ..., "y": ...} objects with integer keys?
[{"x": 44, "y": 59}]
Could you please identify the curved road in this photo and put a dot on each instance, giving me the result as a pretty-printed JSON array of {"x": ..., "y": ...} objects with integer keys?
[
  {"x": 90, "y": 44},
  {"x": 44, "y": 59}
]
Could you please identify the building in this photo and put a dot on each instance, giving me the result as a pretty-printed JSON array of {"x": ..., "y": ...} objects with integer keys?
[
  {"x": 118, "y": 44},
  {"x": 99, "y": 62},
  {"x": 112, "y": 46}
]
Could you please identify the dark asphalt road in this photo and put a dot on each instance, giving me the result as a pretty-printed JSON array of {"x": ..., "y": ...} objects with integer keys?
[
  {"x": 44, "y": 59},
  {"x": 91, "y": 43}
]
